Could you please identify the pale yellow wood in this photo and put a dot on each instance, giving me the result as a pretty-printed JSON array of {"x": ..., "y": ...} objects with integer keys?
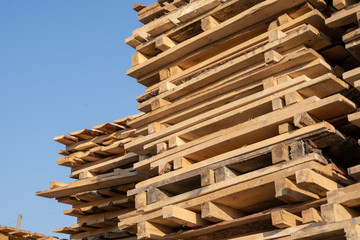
[
  {"x": 293, "y": 97},
  {"x": 175, "y": 141},
  {"x": 182, "y": 162},
  {"x": 208, "y": 23},
  {"x": 311, "y": 215},
  {"x": 286, "y": 127},
  {"x": 166, "y": 86},
  {"x": 216, "y": 212},
  {"x": 183, "y": 216},
  {"x": 334, "y": 212},
  {"x": 272, "y": 57},
  {"x": 207, "y": 177},
  {"x": 284, "y": 219},
  {"x": 164, "y": 43},
  {"x": 315, "y": 182},
  {"x": 137, "y": 59},
  {"x": 288, "y": 191},
  {"x": 147, "y": 230}
]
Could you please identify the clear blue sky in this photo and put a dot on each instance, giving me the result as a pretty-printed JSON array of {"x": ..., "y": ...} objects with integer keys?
[{"x": 62, "y": 69}]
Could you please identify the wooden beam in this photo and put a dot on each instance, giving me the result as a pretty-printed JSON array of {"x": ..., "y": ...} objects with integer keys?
[
  {"x": 287, "y": 191},
  {"x": 208, "y": 23},
  {"x": 334, "y": 212},
  {"x": 207, "y": 177},
  {"x": 224, "y": 173},
  {"x": 183, "y": 216},
  {"x": 310, "y": 215},
  {"x": 315, "y": 182},
  {"x": 285, "y": 219},
  {"x": 147, "y": 230},
  {"x": 215, "y": 212},
  {"x": 355, "y": 172}
]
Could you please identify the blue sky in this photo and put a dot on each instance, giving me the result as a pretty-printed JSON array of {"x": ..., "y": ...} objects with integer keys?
[{"x": 62, "y": 69}]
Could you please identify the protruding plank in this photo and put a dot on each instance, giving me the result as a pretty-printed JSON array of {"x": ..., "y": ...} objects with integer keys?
[
  {"x": 284, "y": 219},
  {"x": 352, "y": 75},
  {"x": 108, "y": 127},
  {"x": 355, "y": 172},
  {"x": 66, "y": 140},
  {"x": 315, "y": 182},
  {"x": 287, "y": 191},
  {"x": 160, "y": 27},
  {"x": 158, "y": 103},
  {"x": 208, "y": 23},
  {"x": 175, "y": 141},
  {"x": 182, "y": 162},
  {"x": 215, "y": 212},
  {"x": 183, "y": 216},
  {"x": 132, "y": 42},
  {"x": 348, "y": 196},
  {"x": 138, "y": 58},
  {"x": 224, "y": 173},
  {"x": 341, "y": 4},
  {"x": 164, "y": 43},
  {"x": 334, "y": 212},
  {"x": 138, "y": 6},
  {"x": 310, "y": 215},
  {"x": 55, "y": 184},
  {"x": 272, "y": 57},
  {"x": 280, "y": 153},
  {"x": 147, "y": 230},
  {"x": 297, "y": 149},
  {"x": 354, "y": 118},
  {"x": 85, "y": 134},
  {"x": 207, "y": 177}
]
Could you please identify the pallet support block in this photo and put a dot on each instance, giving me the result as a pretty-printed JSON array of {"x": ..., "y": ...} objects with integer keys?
[
  {"x": 215, "y": 212},
  {"x": 183, "y": 216}
]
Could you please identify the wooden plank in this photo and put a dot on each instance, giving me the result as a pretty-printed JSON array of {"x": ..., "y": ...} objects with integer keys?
[
  {"x": 323, "y": 231},
  {"x": 334, "y": 212},
  {"x": 343, "y": 17},
  {"x": 98, "y": 182},
  {"x": 315, "y": 182},
  {"x": 310, "y": 215},
  {"x": 66, "y": 140},
  {"x": 284, "y": 219},
  {"x": 348, "y": 196},
  {"x": 183, "y": 217},
  {"x": 355, "y": 172},
  {"x": 215, "y": 212},
  {"x": 147, "y": 230},
  {"x": 341, "y": 4},
  {"x": 241, "y": 21},
  {"x": 288, "y": 191},
  {"x": 105, "y": 165},
  {"x": 197, "y": 8}
]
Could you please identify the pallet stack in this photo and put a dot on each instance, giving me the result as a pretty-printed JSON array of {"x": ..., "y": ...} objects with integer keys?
[
  {"x": 250, "y": 123},
  {"x": 10, "y": 233},
  {"x": 103, "y": 172}
]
